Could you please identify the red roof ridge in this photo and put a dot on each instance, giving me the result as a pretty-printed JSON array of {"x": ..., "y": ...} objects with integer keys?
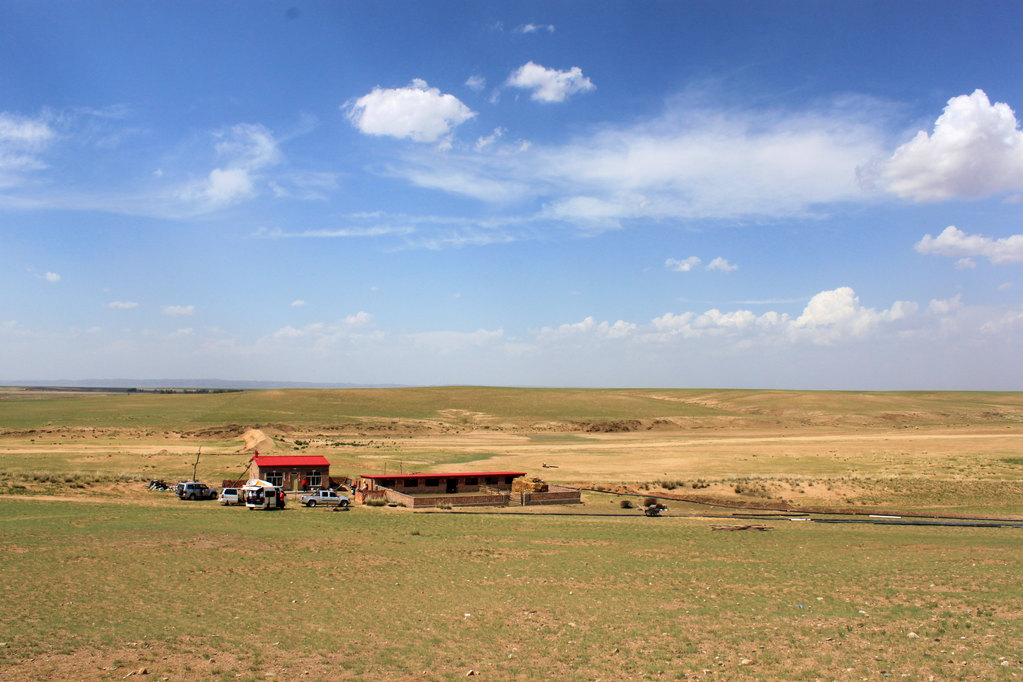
[
  {"x": 443, "y": 474},
  {"x": 290, "y": 460}
]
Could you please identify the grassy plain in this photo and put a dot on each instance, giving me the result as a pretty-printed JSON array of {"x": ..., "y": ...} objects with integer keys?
[{"x": 100, "y": 578}]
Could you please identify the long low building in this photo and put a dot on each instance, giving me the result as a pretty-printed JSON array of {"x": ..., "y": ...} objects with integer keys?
[{"x": 477, "y": 488}]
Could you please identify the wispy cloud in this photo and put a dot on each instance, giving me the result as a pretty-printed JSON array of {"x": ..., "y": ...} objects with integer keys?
[
  {"x": 694, "y": 162},
  {"x": 691, "y": 263},
  {"x": 683, "y": 265},
  {"x": 122, "y": 305},
  {"x": 721, "y": 265},
  {"x": 333, "y": 233},
  {"x": 22, "y": 139},
  {"x": 178, "y": 310},
  {"x": 535, "y": 28},
  {"x": 245, "y": 150}
]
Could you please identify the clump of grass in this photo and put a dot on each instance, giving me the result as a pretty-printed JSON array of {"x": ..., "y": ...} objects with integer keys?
[
  {"x": 751, "y": 487},
  {"x": 376, "y": 502}
]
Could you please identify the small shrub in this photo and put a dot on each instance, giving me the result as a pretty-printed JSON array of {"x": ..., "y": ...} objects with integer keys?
[
  {"x": 376, "y": 502},
  {"x": 625, "y": 504},
  {"x": 649, "y": 501}
]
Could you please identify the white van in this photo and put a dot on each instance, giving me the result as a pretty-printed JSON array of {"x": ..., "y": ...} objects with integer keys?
[{"x": 259, "y": 494}]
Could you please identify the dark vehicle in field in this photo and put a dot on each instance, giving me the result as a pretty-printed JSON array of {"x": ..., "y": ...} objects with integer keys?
[{"x": 192, "y": 490}]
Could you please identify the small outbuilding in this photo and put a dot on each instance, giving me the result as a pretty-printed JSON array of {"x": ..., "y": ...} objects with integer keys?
[{"x": 292, "y": 472}]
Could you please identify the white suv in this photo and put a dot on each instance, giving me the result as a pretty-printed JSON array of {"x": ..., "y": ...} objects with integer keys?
[{"x": 230, "y": 496}]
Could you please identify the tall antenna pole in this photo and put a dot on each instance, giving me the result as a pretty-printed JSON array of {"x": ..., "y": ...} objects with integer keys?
[{"x": 196, "y": 465}]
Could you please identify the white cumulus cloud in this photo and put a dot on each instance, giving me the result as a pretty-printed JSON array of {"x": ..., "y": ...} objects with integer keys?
[
  {"x": 52, "y": 277},
  {"x": 122, "y": 305},
  {"x": 834, "y": 314},
  {"x": 684, "y": 265},
  {"x": 954, "y": 243},
  {"x": 418, "y": 112},
  {"x": 722, "y": 265},
  {"x": 178, "y": 310},
  {"x": 975, "y": 150},
  {"x": 550, "y": 85},
  {"x": 587, "y": 327}
]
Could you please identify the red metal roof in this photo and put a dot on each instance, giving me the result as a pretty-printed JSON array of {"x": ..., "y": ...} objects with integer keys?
[
  {"x": 291, "y": 461},
  {"x": 444, "y": 474}
]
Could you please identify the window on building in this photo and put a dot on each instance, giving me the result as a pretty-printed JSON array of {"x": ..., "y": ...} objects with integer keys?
[
  {"x": 491, "y": 480},
  {"x": 509, "y": 479},
  {"x": 275, "y": 478},
  {"x": 472, "y": 480},
  {"x": 314, "y": 479},
  {"x": 433, "y": 482},
  {"x": 411, "y": 482},
  {"x": 385, "y": 483}
]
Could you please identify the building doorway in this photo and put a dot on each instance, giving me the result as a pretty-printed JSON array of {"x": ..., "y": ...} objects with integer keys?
[{"x": 452, "y": 486}]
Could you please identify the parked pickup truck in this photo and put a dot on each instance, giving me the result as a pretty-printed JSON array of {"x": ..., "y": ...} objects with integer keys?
[{"x": 326, "y": 497}]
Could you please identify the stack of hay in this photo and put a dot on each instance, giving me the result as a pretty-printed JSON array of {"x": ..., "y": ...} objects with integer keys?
[{"x": 533, "y": 484}]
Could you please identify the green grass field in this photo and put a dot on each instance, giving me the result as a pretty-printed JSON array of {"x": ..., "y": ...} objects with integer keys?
[
  {"x": 188, "y": 591},
  {"x": 514, "y": 405},
  {"x": 100, "y": 578}
]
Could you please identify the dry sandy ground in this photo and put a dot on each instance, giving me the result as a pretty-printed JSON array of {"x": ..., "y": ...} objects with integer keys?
[
  {"x": 818, "y": 462},
  {"x": 650, "y": 455}
]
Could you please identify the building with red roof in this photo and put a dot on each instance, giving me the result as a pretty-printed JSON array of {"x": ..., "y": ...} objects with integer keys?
[
  {"x": 477, "y": 488},
  {"x": 292, "y": 472}
]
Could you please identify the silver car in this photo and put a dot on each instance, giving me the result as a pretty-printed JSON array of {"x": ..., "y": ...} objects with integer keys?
[{"x": 230, "y": 496}]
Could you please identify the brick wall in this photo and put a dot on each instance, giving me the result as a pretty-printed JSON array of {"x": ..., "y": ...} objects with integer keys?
[
  {"x": 420, "y": 502},
  {"x": 555, "y": 495}
]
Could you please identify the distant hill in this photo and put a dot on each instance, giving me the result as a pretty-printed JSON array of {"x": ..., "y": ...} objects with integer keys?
[{"x": 183, "y": 383}]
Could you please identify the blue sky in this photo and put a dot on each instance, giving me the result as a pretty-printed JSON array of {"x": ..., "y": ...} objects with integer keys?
[{"x": 691, "y": 194}]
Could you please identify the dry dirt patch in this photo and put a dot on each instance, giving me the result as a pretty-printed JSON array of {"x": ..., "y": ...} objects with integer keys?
[{"x": 257, "y": 441}]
